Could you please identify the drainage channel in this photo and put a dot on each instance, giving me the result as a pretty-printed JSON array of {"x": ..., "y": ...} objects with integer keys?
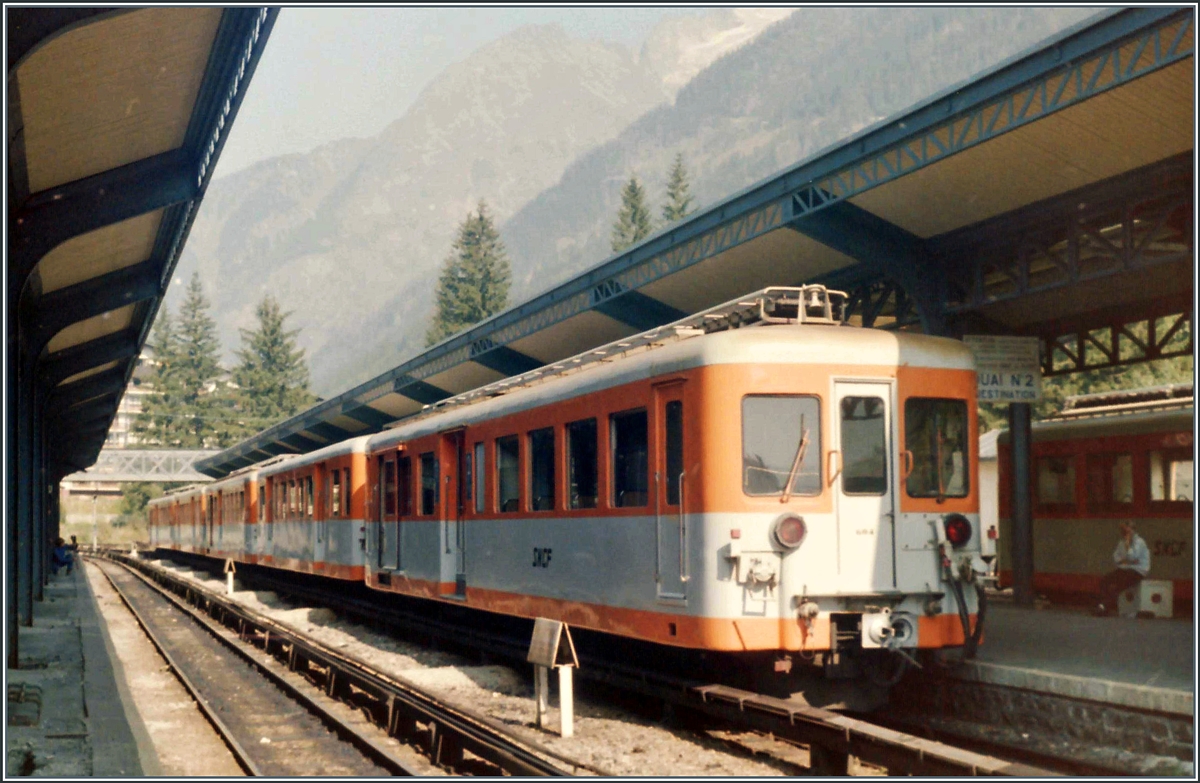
[{"x": 453, "y": 738}]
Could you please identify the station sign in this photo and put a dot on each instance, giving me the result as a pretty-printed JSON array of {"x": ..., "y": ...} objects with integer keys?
[{"x": 1008, "y": 368}]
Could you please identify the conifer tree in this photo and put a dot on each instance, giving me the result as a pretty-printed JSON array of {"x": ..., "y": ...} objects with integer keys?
[
  {"x": 161, "y": 417},
  {"x": 197, "y": 371},
  {"x": 678, "y": 198},
  {"x": 633, "y": 219},
  {"x": 272, "y": 379},
  {"x": 474, "y": 280}
]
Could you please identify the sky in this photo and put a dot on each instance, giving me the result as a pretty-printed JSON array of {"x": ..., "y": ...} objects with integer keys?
[{"x": 335, "y": 73}]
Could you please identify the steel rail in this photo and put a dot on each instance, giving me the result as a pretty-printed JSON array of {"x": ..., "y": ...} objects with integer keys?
[
  {"x": 393, "y": 704},
  {"x": 239, "y": 753},
  {"x": 832, "y": 737},
  {"x": 365, "y": 744}
]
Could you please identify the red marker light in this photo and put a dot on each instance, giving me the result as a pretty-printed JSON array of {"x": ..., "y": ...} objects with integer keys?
[
  {"x": 789, "y": 530},
  {"x": 958, "y": 530},
  {"x": 992, "y": 534},
  {"x": 735, "y": 533}
]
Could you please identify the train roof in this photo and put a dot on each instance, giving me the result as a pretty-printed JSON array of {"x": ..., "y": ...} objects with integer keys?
[
  {"x": 352, "y": 446},
  {"x": 761, "y": 342},
  {"x": 1127, "y": 422}
]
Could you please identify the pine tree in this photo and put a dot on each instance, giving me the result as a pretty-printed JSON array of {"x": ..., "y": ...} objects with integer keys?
[
  {"x": 272, "y": 379},
  {"x": 161, "y": 418},
  {"x": 678, "y": 199},
  {"x": 197, "y": 371},
  {"x": 474, "y": 280},
  {"x": 633, "y": 219}
]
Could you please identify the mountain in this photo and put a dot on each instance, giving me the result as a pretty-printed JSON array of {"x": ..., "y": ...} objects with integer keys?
[
  {"x": 349, "y": 237},
  {"x": 812, "y": 79}
]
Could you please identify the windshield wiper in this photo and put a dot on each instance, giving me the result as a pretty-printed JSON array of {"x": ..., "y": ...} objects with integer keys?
[{"x": 803, "y": 447}]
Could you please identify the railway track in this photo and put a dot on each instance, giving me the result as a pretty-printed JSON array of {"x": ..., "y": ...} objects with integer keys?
[
  {"x": 828, "y": 743},
  {"x": 320, "y": 712}
]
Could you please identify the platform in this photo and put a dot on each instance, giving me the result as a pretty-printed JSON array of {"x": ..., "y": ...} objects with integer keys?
[
  {"x": 67, "y": 714},
  {"x": 1140, "y": 663}
]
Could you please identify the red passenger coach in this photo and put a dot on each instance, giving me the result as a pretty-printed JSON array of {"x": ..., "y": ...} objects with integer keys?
[{"x": 1105, "y": 459}]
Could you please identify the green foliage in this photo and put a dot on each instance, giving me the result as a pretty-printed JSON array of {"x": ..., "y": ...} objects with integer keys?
[
  {"x": 678, "y": 199},
  {"x": 134, "y": 497},
  {"x": 633, "y": 219},
  {"x": 1056, "y": 389},
  {"x": 272, "y": 378},
  {"x": 162, "y": 412},
  {"x": 475, "y": 278},
  {"x": 197, "y": 371}
]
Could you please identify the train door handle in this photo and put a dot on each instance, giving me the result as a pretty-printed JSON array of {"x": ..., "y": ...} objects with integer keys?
[
  {"x": 907, "y": 470},
  {"x": 833, "y": 465}
]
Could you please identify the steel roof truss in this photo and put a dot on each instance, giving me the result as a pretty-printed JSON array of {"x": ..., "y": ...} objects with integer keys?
[
  {"x": 77, "y": 358},
  {"x": 51, "y": 217}
]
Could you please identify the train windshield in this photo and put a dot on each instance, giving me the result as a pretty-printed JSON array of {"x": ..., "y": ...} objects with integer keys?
[
  {"x": 935, "y": 432},
  {"x": 781, "y": 440}
]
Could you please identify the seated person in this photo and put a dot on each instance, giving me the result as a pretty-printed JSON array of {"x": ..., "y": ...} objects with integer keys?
[
  {"x": 1132, "y": 560},
  {"x": 62, "y": 556}
]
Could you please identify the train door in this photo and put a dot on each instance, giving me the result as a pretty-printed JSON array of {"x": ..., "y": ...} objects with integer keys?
[
  {"x": 454, "y": 554},
  {"x": 864, "y": 486},
  {"x": 670, "y": 488},
  {"x": 388, "y": 530},
  {"x": 210, "y": 514}
]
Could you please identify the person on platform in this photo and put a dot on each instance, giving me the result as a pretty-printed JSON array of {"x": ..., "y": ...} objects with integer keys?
[
  {"x": 1132, "y": 561},
  {"x": 62, "y": 556}
]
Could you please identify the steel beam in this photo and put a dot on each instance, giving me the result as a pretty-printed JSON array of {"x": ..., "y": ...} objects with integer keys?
[
  {"x": 890, "y": 250},
  {"x": 301, "y": 443},
  {"x": 366, "y": 414},
  {"x": 424, "y": 393},
  {"x": 30, "y": 28},
  {"x": 505, "y": 360},
  {"x": 49, "y": 218},
  {"x": 636, "y": 309},
  {"x": 59, "y": 309},
  {"x": 327, "y": 431},
  {"x": 65, "y": 397},
  {"x": 85, "y": 356}
]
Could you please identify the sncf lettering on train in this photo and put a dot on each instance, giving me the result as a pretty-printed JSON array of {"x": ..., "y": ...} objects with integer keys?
[
  {"x": 1170, "y": 548},
  {"x": 541, "y": 557}
]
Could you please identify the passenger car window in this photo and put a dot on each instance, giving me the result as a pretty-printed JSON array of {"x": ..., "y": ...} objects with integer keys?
[
  {"x": 629, "y": 459},
  {"x": 1171, "y": 476},
  {"x": 774, "y": 428},
  {"x": 1056, "y": 481},
  {"x": 480, "y": 472},
  {"x": 541, "y": 469},
  {"x": 935, "y": 434},
  {"x": 429, "y": 483},
  {"x": 581, "y": 464},
  {"x": 508, "y": 488}
]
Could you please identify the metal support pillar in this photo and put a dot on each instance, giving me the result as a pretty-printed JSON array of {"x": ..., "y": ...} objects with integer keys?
[
  {"x": 24, "y": 499},
  {"x": 1019, "y": 424},
  {"x": 37, "y": 508},
  {"x": 10, "y": 519}
]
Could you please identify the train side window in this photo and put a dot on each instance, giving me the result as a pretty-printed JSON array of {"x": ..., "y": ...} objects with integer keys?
[
  {"x": 346, "y": 492},
  {"x": 429, "y": 483},
  {"x": 1056, "y": 481},
  {"x": 389, "y": 488},
  {"x": 480, "y": 482},
  {"x": 630, "y": 486},
  {"x": 404, "y": 505},
  {"x": 1171, "y": 476},
  {"x": 1109, "y": 481},
  {"x": 581, "y": 464},
  {"x": 262, "y": 501},
  {"x": 541, "y": 469},
  {"x": 773, "y": 429},
  {"x": 309, "y": 505},
  {"x": 674, "y": 438},
  {"x": 508, "y": 484},
  {"x": 293, "y": 499},
  {"x": 335, "y": 494},
  {"x": 935, "y": 434}
]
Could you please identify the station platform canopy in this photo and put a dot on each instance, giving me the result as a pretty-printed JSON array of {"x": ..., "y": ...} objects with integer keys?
[
  {"x": 1051, "y": 195},
  {"x": 116, "y": 118}
]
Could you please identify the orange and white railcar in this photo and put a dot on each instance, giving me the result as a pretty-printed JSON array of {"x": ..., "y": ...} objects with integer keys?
[
  {"x": 760, "y": 478},
  {"x": 773, "y": 487}
]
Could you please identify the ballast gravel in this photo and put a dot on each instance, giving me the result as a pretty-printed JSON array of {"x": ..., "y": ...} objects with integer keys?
[{"x": 606, "y": 738}]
